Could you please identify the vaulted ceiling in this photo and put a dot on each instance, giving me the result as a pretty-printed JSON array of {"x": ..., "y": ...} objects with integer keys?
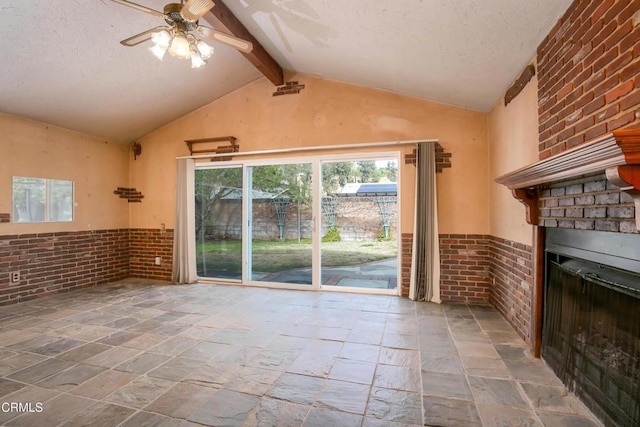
[{"x": 61, "y": 61}]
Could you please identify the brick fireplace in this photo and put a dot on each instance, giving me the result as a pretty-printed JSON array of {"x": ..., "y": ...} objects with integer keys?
[{"x": 587, "y": 181}]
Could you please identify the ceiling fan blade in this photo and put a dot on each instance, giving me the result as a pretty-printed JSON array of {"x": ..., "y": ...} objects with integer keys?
[
  {"x": 233, "y": 41},
  {"x": 195, "y": 9},
  {"x": 140, "y": 7},
  {"x": 142, "y": 37}
]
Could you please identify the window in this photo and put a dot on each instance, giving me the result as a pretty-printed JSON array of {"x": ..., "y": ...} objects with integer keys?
[{"x": 42, "y": 200}]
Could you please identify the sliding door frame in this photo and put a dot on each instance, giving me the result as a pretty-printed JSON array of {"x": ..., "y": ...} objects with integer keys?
[{"x": 316, "y": 161}]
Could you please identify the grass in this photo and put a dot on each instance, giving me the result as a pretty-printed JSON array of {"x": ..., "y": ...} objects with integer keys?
[{"x": 276, "y": 255}]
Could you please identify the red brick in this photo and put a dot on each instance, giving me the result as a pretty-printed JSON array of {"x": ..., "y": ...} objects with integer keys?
[
  {"x": 575, "y": 140},
  {"x": 575, "y": 116},
  {"x": 557, "y": 127},
  {"x": 630, "y": 101},
  {"x": 617, "y": 35},
  {"x": 552, "y": 121},
  {"x": 615, "y": 10},
  {"x": 605, "y": 59},
  {"x": 631, "y": 9},
  {"x": 607, "y": 85},
  {"x": 618, "y": 63},
  {"x": 570, "y": 75},
  {"x": 565, "y": 134},
  {"x": 596, "y": 132},
  {"x": 566, "y": 111},
  {"x": 584, "y": 75},
  {"x": 574, "y": 96},
  {"x": 546, "y": 104},
  {"x": 609, "y": 28},
  {"x": 558, "y": 148},
  {"x": 582, "y": 52},
  {"x": 553, "y": 33},
  {"x": 594, "y": 81},
  {"x": 564, "y": 91},
  {"x": 609, "y": 112},
  {"x": 594, "y": 105},
  {"x": 621, "y": 121},
  {"x": 631, "y": 40},
  {"x": 557, "y": 107},
  {"x": 619, "y": 91},
  {"x": 606, "y": 4},
  {"x": 630, "y": 71},
  {"x": 596, "y": 53}
]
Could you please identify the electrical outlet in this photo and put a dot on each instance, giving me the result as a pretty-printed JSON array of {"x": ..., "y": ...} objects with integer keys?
[
  {"x": 163, "y": 227},
  {"x": 15, "y": 277},
  {"x": 158, "y": 260}
]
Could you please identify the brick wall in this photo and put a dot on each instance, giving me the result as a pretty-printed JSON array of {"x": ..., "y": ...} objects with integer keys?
[
  {"x": 358, "y": 218},
  {"x": 589, "y": 74},
  {"x": 511, "y": 272},
  {"x": 57, "y": 262},
  {"x": 145, "y": 244},
  {"x": 464, "y": 268},
  {"x": 595, "y": 204},
  {"x": 407, "y": 250}
]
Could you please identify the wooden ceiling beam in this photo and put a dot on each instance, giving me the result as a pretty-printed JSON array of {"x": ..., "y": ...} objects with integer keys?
[{"x": 226, "y": 21}]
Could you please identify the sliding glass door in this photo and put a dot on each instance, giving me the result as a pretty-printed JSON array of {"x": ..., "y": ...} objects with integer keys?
[
  {"x": 359, "y": 247},
  {"x": 281, "y": 223},
  {"x": 218, "y": 222},
  {"x": 314, "y": 223}
]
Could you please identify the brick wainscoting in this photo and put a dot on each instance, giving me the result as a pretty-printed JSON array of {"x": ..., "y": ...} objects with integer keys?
[
  {"x": 405, "y": 274},
  {"x": 57, "y": 262},
  {"x": 145, "y": 244},
  {"x": 464, "y": 268},
  {"x": 511, "y": 274}
]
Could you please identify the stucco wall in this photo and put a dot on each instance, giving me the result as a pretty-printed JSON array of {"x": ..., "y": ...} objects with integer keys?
[
  {"x": 325, "y": 113},
  {"x": 512, "y": 134},
  {"x": 97, "y": 167}
]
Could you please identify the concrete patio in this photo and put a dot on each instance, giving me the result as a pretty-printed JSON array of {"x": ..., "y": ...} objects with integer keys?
[{"x": 137, "y": 352}]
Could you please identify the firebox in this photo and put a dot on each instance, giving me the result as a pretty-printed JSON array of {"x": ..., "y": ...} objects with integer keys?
[{"x": 591, "y": 322}]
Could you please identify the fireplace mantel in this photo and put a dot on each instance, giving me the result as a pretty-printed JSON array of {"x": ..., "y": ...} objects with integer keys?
[{"x": 617, "y": 155}]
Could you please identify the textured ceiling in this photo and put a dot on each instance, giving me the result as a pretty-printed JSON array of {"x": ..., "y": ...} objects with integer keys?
[{"x": 62, "y": 63}]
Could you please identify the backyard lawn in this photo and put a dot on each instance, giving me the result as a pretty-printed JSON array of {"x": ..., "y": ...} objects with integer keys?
[{"x": 272, "y": 256}]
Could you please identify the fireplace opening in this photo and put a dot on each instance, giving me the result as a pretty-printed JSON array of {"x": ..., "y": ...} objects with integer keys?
[{"x": 591, "y": 322}]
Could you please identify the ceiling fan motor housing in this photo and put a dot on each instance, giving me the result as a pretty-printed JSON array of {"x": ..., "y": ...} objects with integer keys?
[{"x": 174, "y": 17}]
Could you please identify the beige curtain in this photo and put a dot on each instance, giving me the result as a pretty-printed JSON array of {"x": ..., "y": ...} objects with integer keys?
[
  {"x": 425, "y": 256},
  {"x": 184, "y": 245}
]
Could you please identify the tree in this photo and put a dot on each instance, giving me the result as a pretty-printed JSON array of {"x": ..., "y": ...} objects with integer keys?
[
  {"x": 211, "y": 185},
  {"x": 367, "y": 170},
  {"x": 392, "y": 171},
  {"x": 290, "y": 180},
  {"x": 335, "y": 175}
]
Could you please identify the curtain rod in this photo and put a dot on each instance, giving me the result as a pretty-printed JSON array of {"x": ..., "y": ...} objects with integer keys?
[{"x": 304, "y": 149}]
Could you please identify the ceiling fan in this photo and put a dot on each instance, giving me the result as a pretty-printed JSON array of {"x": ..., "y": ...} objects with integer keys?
[{"x": 177, "y": 37}]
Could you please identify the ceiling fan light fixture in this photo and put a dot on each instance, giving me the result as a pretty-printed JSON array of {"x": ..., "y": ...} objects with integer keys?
[
  {"x": 180, "y": 47},
  {"x": 158, "y": 51},
  {"x": 205, "y": 50},
  {"x": 196, "y": 60},
  {"x": 161, "y": 38}
]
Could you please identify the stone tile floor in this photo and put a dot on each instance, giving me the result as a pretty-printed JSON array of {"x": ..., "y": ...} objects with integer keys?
[{"x": 142, "y": 353}]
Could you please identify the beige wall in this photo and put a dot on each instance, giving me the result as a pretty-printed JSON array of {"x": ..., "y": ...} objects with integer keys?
[
  {"x": 324, "y": 113},
  {"x": 512, "y": 133},
  {"x": 97, "y": 167}
]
